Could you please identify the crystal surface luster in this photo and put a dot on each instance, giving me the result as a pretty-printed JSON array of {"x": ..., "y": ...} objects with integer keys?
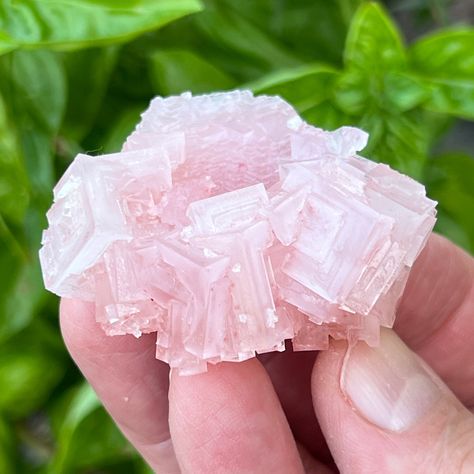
[{"x": 228, "y": 225}]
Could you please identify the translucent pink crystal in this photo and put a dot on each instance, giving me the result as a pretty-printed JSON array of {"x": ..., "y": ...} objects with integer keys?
[{"x": 228, "y": 225}]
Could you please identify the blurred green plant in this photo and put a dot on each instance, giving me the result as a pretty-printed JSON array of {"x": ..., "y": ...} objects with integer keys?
[{"x": 75, "y": 75}]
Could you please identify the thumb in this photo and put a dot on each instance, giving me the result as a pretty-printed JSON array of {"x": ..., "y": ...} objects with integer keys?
[{"x": 384, "y": 410}]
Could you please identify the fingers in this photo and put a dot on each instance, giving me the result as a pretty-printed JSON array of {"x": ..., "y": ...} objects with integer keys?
[
  {"x": 435, "y": 317},
  {"x": 290, "y": 373},
  {"x": 131, "y": 383},
  {"x": 229, "y": 420},
  {"x": 383, "y": 410}
]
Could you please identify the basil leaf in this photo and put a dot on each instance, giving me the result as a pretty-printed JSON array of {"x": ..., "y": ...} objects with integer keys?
[
  {"x": 72, "y": 24},
  {"x": 445, "y": 62},
  {"x": 373, "y": 43},
  {"x": 326, "y": 115},
  {"x": 37, "y": 106},
  {"x": 448, "y": 53},
  {"x": 402, "y": 141},
  {"x": 403, "y": 91}
]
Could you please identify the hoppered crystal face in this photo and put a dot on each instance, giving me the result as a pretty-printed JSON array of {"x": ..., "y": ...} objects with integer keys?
[{"x": 228, "y": 225}]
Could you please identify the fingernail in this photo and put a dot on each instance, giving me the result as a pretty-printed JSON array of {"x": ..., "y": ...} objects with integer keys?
[{"x": 387, "y": 384}]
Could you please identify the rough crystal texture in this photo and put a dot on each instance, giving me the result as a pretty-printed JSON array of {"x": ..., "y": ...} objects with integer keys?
[{"x": 228, "y": 225}]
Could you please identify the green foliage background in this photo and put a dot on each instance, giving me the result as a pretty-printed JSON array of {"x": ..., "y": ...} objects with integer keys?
[{"x": 75, "y": 75}]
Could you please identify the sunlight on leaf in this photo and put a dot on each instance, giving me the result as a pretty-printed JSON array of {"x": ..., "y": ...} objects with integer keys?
[
  {"x": 445, "y": 62},
  {"x": 72, "y": 24},
  {"x": 373, "y": 42},
  {"x": 80, "y": 403}
]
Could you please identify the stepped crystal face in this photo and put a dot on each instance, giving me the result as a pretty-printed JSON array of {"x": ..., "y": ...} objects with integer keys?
[{"x": 228, "y": 225}]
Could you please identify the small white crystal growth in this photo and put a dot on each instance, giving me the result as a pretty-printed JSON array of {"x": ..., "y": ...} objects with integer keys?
[{"x": 228, "y": 225}]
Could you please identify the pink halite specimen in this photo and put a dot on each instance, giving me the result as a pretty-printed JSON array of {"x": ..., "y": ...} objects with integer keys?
[{"x": 228, "y": 225}]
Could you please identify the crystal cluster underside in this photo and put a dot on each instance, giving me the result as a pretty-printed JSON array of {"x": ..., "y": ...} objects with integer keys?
[{"x": 227, "y": 225}]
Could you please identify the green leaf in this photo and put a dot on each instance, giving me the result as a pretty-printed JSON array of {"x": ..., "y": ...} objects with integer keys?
[
  {"x": 373, "y": 43},
  {"x": 6, "y": 47},
  {"x": 391, "y": 91},
  {"x": 21, "y": 294},
  {"x": 401, "y": 141},
  {"x": 347, "y": 8},
  {"x": 451, "y": 97},
  {"x": 72, "y": 24},
  {"x": 403, "y": 91},
  {"x": 445, "y": 61},
  {"x": 246, "y": 39},
  {"x": 375, "y": 85},
  {"x": 326, "y": 115},
  {"x": 13, "y": 180},
  {"x": 86, "y": 91},
  {"x": 287, "y": 21},
  {"x": 173, "y": 72},
  {"x": 450, "y": 180},
  {"x": 97, "y": 441},
  {"x": 305, "y": 87},
  {"x": 37, "y": 107},
  {"x": 352, "y": 92},
  {"x": 77, "y": 405},
  {"x": 43, "y": 97},
  {"x": 447, "y": 53},
  {"x": 86, "y": 435},
  {"x": 226, "y": 27},
  {"x": 27, "y": 376}
]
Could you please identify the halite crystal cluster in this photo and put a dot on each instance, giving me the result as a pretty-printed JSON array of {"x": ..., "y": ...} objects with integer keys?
[{"x": 228, "y": 225}]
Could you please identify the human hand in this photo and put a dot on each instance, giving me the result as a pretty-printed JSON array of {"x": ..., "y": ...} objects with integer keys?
[{"x": 379, "y": 410}]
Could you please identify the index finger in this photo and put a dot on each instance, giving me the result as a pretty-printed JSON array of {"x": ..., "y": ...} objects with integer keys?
[{"x": 131, "y": 383}]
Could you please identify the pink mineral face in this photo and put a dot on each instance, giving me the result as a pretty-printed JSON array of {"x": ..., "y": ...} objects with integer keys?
[{"x": 227, "y": 225}]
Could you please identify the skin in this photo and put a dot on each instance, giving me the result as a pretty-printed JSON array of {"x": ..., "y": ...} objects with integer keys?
[{"x": 289, "y": 412}]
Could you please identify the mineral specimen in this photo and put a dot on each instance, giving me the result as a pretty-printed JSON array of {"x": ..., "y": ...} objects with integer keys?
[{"x": 228, "y": 225}]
